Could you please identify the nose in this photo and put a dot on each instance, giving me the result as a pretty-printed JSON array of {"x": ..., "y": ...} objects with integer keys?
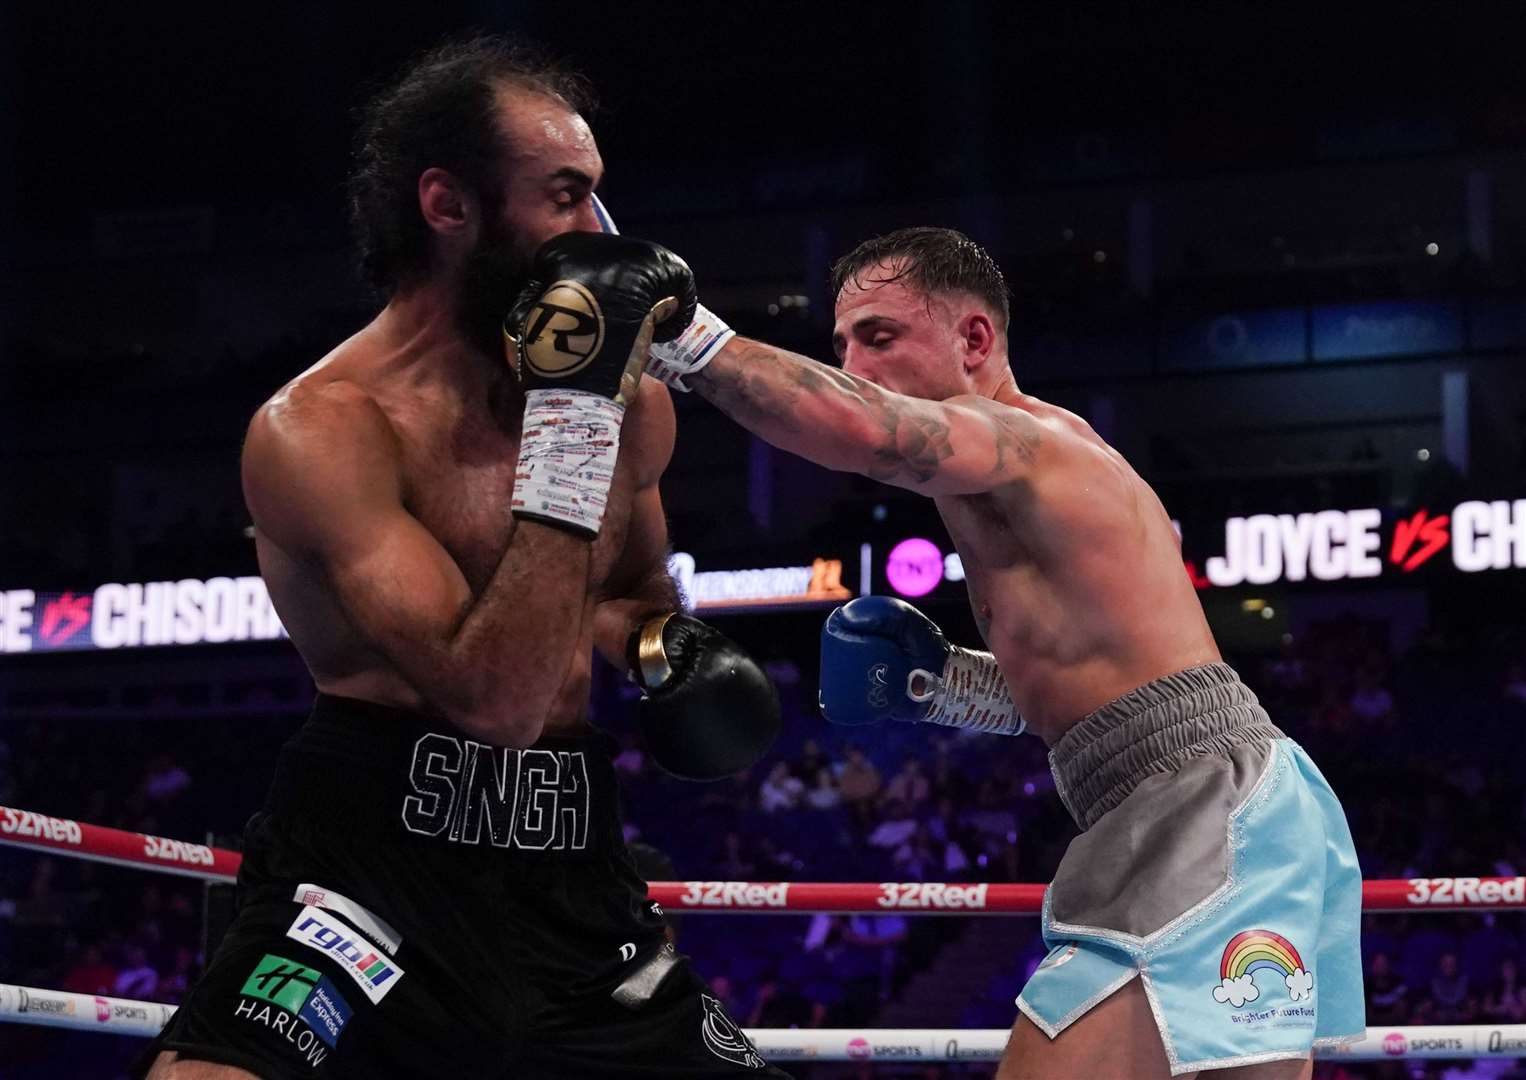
[
  {"x": 588, "y": 218},
  {"x": 853, "y": 362}
]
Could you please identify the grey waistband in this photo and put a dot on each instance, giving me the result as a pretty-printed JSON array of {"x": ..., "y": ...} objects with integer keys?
[{"x": 1202, "y": 710}]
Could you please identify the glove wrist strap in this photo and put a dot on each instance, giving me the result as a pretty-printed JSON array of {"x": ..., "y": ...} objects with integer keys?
[
  {"x": 567, "y": 454},
  {"x": 650, "y": 665},
  {"x": 973, "y": 694},
  {"x": 672, "y": 361}
]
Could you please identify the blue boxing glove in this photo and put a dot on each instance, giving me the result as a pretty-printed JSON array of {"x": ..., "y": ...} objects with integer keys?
[
  {"x": 882, "y": 659},
  {"x": 870, "y": 648}
]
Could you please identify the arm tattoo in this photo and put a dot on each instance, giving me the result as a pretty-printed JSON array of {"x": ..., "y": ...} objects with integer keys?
[
  {"x": 912, "y": 447},
  {"x": 764, "y": 389},
  {"x": 769, "y": 391},
  {"x": 1017, "y": 438},
  {"x": 758, "y": 389}
]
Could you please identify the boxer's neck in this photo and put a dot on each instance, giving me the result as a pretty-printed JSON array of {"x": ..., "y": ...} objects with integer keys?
[
  {"x": 1002, "y": 385},
  {"x": 421, "y": 327}
]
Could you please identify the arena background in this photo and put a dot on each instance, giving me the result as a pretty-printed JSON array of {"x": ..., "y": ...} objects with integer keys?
[{"x": 1277, "y": 262}]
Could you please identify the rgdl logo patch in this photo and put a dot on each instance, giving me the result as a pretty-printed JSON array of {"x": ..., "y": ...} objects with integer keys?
[{"x": 372, "y": 972}]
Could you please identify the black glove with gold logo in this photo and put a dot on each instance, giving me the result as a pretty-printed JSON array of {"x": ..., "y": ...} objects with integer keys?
[
  {"x": 708, "y": 711},
  {"x": 578, "y": 335}
]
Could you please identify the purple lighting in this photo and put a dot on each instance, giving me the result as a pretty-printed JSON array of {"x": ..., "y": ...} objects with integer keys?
[{"x": 915, "y": 567}]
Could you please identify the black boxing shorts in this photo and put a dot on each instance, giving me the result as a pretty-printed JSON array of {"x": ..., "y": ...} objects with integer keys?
[{"x": 413, "y": 903}]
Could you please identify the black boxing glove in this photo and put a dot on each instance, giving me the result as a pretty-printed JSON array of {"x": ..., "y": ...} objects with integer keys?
[
  {"x": 578, "y": 335},
  {"x": 708, "y": 710}
]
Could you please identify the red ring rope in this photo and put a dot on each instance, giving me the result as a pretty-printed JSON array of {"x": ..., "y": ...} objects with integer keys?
[{"x": 80, "y": 840}]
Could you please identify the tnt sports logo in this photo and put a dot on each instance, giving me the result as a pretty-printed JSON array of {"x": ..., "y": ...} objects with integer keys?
[
  {"x": 563, "y": 331},
  {"x": 859, "y": 1049},
  {"x": 372, "y": 972},
  {"x": 1395, "y": 1043},
  {"x": 1260, "y": 950},
  {"x": 915, "y": 567}
]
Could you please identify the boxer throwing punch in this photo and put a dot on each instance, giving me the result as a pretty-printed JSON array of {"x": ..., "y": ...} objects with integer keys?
[
  {"x": 438, "y": 884},
  {"x": 1206, "y": 918}
]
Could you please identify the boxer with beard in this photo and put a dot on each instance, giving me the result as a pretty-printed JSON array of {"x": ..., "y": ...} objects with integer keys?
[{"x": 438, "y": 884}]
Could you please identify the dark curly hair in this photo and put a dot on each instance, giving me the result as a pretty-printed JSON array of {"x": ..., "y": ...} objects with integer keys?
[
  {"x": 440, "y": 113},
  {"x": 932, "y": 260}
]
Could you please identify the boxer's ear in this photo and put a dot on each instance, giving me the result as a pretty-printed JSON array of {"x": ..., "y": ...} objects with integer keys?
[
  {"x": 977, "y": 338},
  {"x": 448, "y": 208}
]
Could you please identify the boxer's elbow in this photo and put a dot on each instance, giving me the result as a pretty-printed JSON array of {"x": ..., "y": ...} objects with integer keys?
[
  {"x": 852, "y": 440},
  {"x": 499, "y": 723},
  {"x": 517, "y": 733},
  {"x": 493, "y": 706}
]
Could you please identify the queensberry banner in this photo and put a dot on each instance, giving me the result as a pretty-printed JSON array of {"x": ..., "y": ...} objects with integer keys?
[
  {"x": 779, "y": 587},
  {"x": 138, "y": 615}
]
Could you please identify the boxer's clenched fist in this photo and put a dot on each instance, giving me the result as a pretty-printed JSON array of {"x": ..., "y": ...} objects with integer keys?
[
  {"x": 707, "y": 709},
  {"x": 876, "y": 654},
  {"x": 882, "y": 659},
  {"x": 578, "y": 336}
]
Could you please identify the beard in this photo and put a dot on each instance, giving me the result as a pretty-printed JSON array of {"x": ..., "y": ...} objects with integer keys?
[{"x": 494, "y": 273}]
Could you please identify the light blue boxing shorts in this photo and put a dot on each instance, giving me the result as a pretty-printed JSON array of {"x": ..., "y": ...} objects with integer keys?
[{"x": 1215, "y": 865}]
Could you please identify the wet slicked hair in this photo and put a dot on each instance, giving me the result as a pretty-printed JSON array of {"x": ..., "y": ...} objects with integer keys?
[
  {"x": 441, "y": 112},
  {"x": 930, "y": 260}
]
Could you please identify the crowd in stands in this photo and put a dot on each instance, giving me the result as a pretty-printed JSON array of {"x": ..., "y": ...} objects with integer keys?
[{"x": 1416, "y": 744}]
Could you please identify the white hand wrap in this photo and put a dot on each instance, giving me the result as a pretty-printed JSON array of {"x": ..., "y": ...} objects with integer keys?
[
  {"x": 669, "y": 363},
  {"x": 567, "y": 457},
  {"x": 695, "y": 347},
  {"x": 971, "y": 693}
]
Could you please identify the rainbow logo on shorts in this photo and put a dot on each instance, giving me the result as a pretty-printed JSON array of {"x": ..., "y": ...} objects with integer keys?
[{"x": 1251, "y": 951}]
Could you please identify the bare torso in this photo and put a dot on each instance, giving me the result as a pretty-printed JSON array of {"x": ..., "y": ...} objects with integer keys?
[
  {"x": 456, "y": 452},
  {"x": 1075, "y": 577}
]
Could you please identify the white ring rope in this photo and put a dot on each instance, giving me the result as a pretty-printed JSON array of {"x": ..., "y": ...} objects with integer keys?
[{"x": 120, "y": 1016}]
